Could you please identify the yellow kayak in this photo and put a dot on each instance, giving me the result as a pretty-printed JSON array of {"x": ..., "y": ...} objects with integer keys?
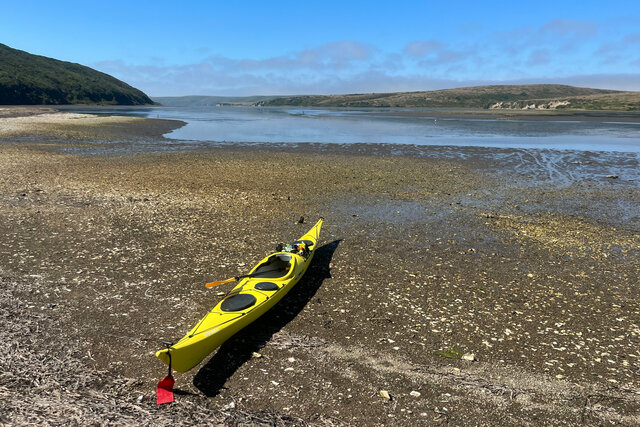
[{"x": 256, "y": 293}]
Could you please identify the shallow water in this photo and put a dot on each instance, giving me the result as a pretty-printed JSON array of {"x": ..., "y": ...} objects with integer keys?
[{"x": 389, "y": 126}]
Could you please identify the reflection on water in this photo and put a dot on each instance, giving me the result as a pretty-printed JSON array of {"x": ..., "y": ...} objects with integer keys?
[{"x": 392, "y": 126}]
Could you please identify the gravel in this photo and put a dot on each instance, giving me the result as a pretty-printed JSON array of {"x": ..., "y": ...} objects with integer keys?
[{"x": 462, "y": 289}]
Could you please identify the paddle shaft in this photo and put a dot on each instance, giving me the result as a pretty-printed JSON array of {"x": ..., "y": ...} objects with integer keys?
[{"x": 235, "y": 279}]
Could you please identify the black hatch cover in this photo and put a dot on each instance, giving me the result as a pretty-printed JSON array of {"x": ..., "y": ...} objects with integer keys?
[
  {"x": 238, "y": 302},
  {"x": 266, "y": 286}
]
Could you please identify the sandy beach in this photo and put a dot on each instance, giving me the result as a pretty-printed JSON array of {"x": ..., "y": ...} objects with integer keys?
[{"x": 467, "y": 285}]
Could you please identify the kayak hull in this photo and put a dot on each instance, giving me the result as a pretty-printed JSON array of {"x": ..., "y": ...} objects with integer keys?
[{"x": 274, "y": 277}]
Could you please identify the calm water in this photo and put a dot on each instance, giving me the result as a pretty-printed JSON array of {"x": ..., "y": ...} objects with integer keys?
[{"x": 295, "y": 125}]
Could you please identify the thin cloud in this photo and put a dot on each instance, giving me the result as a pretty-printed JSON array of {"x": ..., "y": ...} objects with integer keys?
[
  {"x": 330, "y": 56},
  {"x": 418, "y": 49},
  {"x": 560, "y": 35},
  {"x": 619, "y": 52},
  {"x": 539, "y": 57},
  {"x": 439, "y": 58},
  {"x": 570, "y": 27},
  {"x": 351, "y": 66},
  {"x": 336, "y": 55},
  {"x": 446, "y": 57},
  {"x": 632, "y": 39}
]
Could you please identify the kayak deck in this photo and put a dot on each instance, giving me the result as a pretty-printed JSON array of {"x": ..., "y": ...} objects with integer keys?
[{"x": 269, "y": 281}]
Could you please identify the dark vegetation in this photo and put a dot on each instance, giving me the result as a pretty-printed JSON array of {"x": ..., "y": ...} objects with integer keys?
[
  {"x": 537, "y": 96},
  {"x": 27, "y": 79}
]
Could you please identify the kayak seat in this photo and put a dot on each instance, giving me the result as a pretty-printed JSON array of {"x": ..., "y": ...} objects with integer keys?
[
  {"x": 238, "y": 302},
  {"x": 276, "y": 266},
  {"x": 266, "y": 286}
]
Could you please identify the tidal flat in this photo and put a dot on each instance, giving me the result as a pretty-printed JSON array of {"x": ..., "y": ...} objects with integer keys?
[{"x": 451, "y": 284}]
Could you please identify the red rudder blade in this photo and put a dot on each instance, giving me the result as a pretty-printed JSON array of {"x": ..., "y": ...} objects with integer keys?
[{"x": 165, "y": 390}]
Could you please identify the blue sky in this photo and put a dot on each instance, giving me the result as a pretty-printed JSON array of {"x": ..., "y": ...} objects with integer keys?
[{"x": 286, "y": 47}]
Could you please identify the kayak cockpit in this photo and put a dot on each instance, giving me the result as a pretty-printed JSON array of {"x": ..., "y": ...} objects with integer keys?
[{"x": 277, "y": 266}]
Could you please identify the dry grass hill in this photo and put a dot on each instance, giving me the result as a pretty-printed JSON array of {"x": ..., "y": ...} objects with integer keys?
[{"x": 524, "y": 97}]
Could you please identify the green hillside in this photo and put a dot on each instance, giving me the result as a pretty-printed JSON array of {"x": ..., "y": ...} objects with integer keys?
[
  {"x": 27, "y": 79},
  {"x": 535, "y": 96}
]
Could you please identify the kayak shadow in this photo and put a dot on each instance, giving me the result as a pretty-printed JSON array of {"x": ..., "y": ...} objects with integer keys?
[{"x": 237, "y": 350}]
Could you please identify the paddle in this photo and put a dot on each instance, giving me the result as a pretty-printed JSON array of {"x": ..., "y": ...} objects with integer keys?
[
  {"x": 220, "y": 282},
  {"x": 234, "y": 279}
]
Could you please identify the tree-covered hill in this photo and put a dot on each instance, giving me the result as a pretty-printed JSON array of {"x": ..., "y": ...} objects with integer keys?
[{"x": 27, "y": 79}]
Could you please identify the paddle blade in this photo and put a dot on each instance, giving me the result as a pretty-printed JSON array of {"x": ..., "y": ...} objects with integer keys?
[
  {"x": 219, "y": 282},
  {"x": 164, "y": 392}
]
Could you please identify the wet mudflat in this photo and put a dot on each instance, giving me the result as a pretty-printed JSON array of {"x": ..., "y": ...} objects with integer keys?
[{"x": 450, "y": 285}]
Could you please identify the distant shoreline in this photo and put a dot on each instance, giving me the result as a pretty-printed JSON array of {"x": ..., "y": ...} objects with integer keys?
[
  {"x": 600, "y": 116},
  {"x": 534, "y": 115},
  {"x": 10, "y": 111}
]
